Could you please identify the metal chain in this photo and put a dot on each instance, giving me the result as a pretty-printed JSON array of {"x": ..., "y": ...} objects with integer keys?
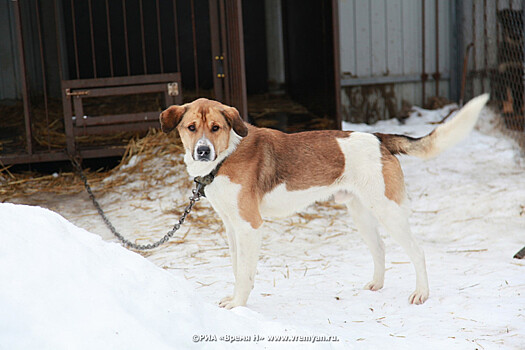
[{"x": 197, "y": 193}]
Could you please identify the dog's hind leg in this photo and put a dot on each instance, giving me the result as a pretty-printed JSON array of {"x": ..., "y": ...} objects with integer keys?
[
  {"x": 395, "y": 220},
  {"x": 367, "y": 225}
]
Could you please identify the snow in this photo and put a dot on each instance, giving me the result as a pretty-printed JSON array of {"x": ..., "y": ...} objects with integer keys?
[{"x": 64, "y": 287}]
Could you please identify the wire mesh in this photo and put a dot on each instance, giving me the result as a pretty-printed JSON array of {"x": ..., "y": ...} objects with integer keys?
[{"x": 496, "y": 64}]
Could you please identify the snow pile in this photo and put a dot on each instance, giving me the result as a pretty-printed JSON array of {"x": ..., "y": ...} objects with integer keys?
[{"x": 65, "y": 288}]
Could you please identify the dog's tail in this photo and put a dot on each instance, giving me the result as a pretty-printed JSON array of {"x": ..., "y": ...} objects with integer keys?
[{"x": 442, "y": 138}]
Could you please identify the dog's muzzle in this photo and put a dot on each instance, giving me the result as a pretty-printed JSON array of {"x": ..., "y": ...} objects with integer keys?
[{"x": 204, "y": 151}]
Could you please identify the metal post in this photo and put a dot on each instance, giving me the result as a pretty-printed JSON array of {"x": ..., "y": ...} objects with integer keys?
[
  {"x": 23, "y": 73},
  {"x": 456, "y": 45},
  {"x": 437, "y": 74},
  {"x": 424, "y": 75},
  {"x": 337, "y": 63}
]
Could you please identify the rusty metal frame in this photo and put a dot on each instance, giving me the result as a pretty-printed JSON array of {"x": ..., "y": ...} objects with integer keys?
[
  {"x": 75, "y": 91},
  {"x": 227, "y": 40}
]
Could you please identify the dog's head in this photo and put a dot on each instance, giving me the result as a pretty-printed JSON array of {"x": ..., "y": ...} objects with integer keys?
[{"x": 204, "y": 127}]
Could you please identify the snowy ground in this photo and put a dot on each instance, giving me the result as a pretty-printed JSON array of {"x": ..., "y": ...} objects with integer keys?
[{"x": 468, "y": 215}]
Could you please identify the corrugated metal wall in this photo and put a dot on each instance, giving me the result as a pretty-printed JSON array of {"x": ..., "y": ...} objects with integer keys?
[
  {"x": 381, "y": 47},
  {"x": 9, "y": 73}
]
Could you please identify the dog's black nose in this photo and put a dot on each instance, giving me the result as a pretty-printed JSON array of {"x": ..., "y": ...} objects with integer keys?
[{"x": 203, "y": 151}]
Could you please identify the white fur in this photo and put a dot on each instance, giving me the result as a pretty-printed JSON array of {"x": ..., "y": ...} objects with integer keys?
[
  {"x": 452, "y": 132},
  {"x": 281, "y": 203},
  {"x": 198, "y": 168}
]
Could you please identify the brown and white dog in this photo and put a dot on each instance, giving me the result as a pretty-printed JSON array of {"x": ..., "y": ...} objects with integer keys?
[{"x": 267, "y": 173}]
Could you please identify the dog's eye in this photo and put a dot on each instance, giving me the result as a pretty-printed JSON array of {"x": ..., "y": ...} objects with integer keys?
[
  {"x": 191, "y": 128},
  {"x": 215, "y": 128}
]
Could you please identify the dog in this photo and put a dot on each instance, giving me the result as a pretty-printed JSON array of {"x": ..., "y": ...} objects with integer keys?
[{"x": 262, "y": 172}]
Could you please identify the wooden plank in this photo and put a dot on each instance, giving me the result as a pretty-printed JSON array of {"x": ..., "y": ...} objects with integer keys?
[
  {"x": 121, "y": 81},
  {"x": 100, "y": 130},
  {"x": 124, "y": 90},
  {"x": 116, "y": 119}
]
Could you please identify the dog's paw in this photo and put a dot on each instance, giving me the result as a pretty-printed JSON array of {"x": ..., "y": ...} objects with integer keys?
[
  {"x": 374, "y": 285},
  {"x": 419, "y": 296},
  {"x": 229, "y": 303}
]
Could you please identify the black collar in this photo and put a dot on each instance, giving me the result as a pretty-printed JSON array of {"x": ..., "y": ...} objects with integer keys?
[{"x": 207, "y": 179}]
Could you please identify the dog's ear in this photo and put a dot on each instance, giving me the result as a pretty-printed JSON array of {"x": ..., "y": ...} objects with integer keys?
[
  {"x": 171, "y": 117},
  {"x": 233, "y": 119}
]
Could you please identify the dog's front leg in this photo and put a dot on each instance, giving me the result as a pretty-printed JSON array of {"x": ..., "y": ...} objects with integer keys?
[
  {"x": 232, "y": 243},
  {"x": 247, "y": 242}
]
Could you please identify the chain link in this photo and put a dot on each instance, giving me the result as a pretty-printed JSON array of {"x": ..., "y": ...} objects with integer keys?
[{"x": 197, "y": 193}]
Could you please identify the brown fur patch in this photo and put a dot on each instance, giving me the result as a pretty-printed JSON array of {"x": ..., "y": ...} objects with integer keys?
[
  {"x": 267, "y": 158},
  {"x": 171, "y": 117},
  {"x": 393, "y": 176},
  {"x": 249, "y": 208}
]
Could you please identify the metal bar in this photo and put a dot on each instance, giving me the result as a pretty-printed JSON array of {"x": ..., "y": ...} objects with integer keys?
[
  {"x": 159, "y": 35},
  {"x": 176, "y": 25},
  {"x": 218, "y": 88},
  {"x": 143, "y": 42},
  {"x": 54, "y": 156},
  {"x": 236, "y": 53},
  {"x": 474, "y": 66},
  {"x": 101, "y": 152},
  {"x": 78, "y": 109},
  {"x": 68, "y": 120},
  {"x": 337, "y": 63},
  {"x": 456, "y": 44},
  {"x": 437, "y": 74},
  {"x": 43, "y": 63},
  {"x": 116, "y": 119},
  {"x": 75, "y": 38},
  {"x": 108, "y": 23},
  {"x": 194, "y": 36},
  {"x": 33, "y": 158},
  {"x": 125, "y": 90},
  {"x": 389, "y": 79},
  {"x": 424, "y": 75},
  {"x": 58, "y": 41},
  {"x": 122, "y": 81},
  {"x": 485, "y": 48},
  {"x": 66, "y": 102},
  {"x": 93, "y": 54},
  {"x": 109, "y": 129},
  {"x": 224, "y": 48},
  {"x": 464, "y": 74},
  {"x": 124, "y": 13},
  {"x": 23, "y": 73},
  {"x": 497, "y": 25}
]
